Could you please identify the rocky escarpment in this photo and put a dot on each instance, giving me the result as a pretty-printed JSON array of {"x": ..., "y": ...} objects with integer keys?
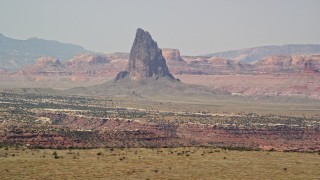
[
  {"x": 88, "y": 65},
  {"x": 79, "y": 131},
  {"x": 288, "y": 64},
  {"x": 96, "y": 65},
  {"x": 145, "y": 59},
  {"x": 90, "y": 59},
  {"x": 43, "y": 66},
  {"x": 79, "y": 67}
]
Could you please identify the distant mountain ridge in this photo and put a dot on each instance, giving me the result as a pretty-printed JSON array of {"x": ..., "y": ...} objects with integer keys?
[
  {"x": 15, "y": 53},
  {"x": 258, "y": 53}
]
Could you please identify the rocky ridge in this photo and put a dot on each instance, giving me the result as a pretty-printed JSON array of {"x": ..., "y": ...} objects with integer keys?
[
  {"x": 63, "y": 131},
  {"x": 15, "y": 54},
  {"x": 258, "y": 53},
  {"x": 99, "y": 65}
]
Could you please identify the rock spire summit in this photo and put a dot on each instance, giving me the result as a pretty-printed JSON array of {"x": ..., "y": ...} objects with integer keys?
[{"x": 145, "y": 60}]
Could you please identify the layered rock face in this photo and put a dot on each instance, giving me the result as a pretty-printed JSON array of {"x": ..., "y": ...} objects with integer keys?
[
  {"x": 288, "y": 64},
  {"x": 145, "y": 59},
  {"x": 119, "y": 132},
  {"x": 171, "y": 54},
  {"x": 88, "y": 59},
  {"x": 79, "y": 67}
]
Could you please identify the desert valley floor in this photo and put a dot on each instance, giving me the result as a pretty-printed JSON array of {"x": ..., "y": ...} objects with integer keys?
[{"x": 145, "y": 138}]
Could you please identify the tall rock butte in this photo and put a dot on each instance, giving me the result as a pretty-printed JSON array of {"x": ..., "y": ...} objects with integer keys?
[{"x": 145, "y": 59}]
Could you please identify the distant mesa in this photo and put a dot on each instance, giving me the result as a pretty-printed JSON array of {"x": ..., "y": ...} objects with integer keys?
[
  {"x": 90, "y": 59},
  {"x": 288, "y": 64},
  {"x": 145, "y": 59},
  {"x": 171, "y": 54}
]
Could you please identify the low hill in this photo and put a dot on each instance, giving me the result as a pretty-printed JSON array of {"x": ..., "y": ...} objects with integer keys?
[{"x": 148, "y": 88}]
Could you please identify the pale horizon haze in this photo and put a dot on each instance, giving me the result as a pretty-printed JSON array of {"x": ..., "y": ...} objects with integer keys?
[{"x": 195, "y": 27}]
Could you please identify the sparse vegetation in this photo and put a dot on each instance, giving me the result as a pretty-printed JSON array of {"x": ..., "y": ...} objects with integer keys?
[
  {"x": 140, "y": 163},
  {"x": 52, "y": 116},
  {"x": 55, "y": 155}
]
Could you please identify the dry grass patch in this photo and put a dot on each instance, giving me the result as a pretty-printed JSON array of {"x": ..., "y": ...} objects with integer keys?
[{"x": 164, "y": 163}]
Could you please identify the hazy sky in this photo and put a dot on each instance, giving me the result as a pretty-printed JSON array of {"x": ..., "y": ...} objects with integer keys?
[{"x": 193, "y": 26}]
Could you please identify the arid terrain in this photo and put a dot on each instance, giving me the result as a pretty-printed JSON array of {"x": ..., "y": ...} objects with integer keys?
[
  {"x": 156, "y": 163},
  {"x": 155, "y": 114},
  {"x": 46, "y": 136},
  {"x": 271, "y": 104},
  {"x": 51, "y": 121},
  {"x": 272, "y": 76},
  {"x": 168, "y": 90}
]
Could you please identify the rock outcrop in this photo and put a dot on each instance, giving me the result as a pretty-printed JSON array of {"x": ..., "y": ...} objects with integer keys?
[
  {"x": 171, "y": 54},
  {"x": 310, "y": 67},
  {"x": 145, "y": 59},
  {"x": 48, "y": 61},
  {"x": 48, "y": 66},
  {"x": 43, "y": 66},
  {"x": 3, "y": 71}
]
